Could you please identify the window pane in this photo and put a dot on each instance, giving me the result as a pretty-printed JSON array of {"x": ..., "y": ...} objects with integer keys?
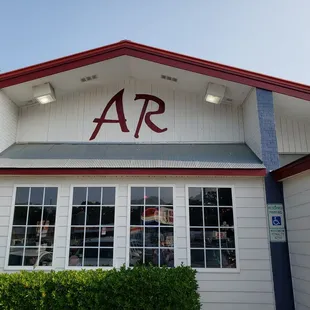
[
  {"x": 20, "y": 216},
  {"x": 34, "y": 217},
  {"x": 92, "y": 236},
  {"x": 31, "y": 256},
  {"x": 166, "y": 216},
  {"x": 91, "y": 257},
  {"x": 195, "y": 216},
  {"x": 78, "y": 216},
  {"x": 136, "y": 236},
  {"x": 47, "y": 236},
  {"x": 36, "y": 195},
  {"x": 151, "y": 196},
  {"x": 151, "y": 236},
  {"x": 106, "y": 257},
  {"x": 196, "y": 235},
  {"x": 151, "y": 216},
  {"x": 107, "y": 237},
  {"x": 137, "y": 195},
  {"x": 77, "y": 236},
  {"x": 211, "y": 217},
  {"x": 94, "y": 196},
  {"x": 135, "y": 256},
  {"x": 32, "y": 236},
  {"x": 197, "y": 258},
  {"x": 93, "y": 215},
  {"x": 167, "y": 258},
  {"x": 226, "y": 217},
  {"x": 166, "y": 237},
  {"x": 79, "y": 196},
  {"x": 195, "y": 196},
  {"x": 50, "y": 196},
  {"x": 166, "y": 195},
  {"x": 107, "y": 216},
  {"x": 225, "y": 197},
  {"x": 213, "y": 259},
  {"x": 46, "y": 257},
  {"x": 212, "y": 237},
  {"x": 16, "y": 256},
  {"x": 227, "y": 238},
  {"x": 75, "y": 257},
  {"x": 108, "y": 196},
  {"x": 151, "y": 257},
  {"x": 229, "y": 259},
  {"x": 22, "y": 196},
  {"x": 136, "y": 215},
  {"x": 18, "y": 236},
  {"x": 49, "y": 215},
  {"x": 209, "y": 197}
]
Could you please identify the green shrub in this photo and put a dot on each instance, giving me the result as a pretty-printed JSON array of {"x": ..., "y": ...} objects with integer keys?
[{"x": 139, "y": 288}]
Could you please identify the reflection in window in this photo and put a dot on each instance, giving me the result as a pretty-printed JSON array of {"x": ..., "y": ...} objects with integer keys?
[
  {"x": 92, "y": 227},
  {"x": 151, "y": 226},
  {"x": 32, "y": 237},
  {"x": 212, "y": 233}
]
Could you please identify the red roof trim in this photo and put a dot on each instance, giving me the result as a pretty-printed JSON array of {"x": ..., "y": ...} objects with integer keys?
[
  {"x": 158, "y": 56},
  {"x": 298, "y": 166},
  {"x": 140, "y": 172}
]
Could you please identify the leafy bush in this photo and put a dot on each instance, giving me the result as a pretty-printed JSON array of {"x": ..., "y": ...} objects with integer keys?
[{"x": 144, "y": 288}]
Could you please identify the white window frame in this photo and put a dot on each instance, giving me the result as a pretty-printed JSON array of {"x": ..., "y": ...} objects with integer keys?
[
  {"x": 67, "y": 267},
  {"x": 213, "y": 270},
  {"x": 129, "y": 212},
  {"x": 29, "y": 268}
]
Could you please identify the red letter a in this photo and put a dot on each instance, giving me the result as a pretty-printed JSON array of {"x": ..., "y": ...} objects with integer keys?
[{"x": 118, "y": 99}]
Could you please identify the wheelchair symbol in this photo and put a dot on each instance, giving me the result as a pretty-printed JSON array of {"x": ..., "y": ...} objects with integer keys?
[{"x": 276, "y": 220}]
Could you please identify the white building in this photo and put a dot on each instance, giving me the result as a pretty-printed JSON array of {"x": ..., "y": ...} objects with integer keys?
[{"x": 139, "y": 155}]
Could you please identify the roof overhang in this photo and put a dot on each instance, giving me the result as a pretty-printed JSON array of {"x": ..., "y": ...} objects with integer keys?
[
  {"x": 298, "y": 166},
  {"x": 159, "y": 56}
]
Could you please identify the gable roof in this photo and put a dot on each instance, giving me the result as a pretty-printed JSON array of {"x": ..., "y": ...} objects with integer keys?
[{"x": 156, "y": 55}]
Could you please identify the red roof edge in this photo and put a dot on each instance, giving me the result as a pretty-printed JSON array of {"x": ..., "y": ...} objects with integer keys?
[
  {"x": 291, "y": 169},
  {"x": 134, "y": 172},
  {"x": 158, "y": 56}
]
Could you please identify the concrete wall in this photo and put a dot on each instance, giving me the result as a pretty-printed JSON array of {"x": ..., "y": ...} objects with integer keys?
[
  {"x": 8, "y": 121},
  {"x": 297, "y": 209},
  {"x": 251, "y": 287}
]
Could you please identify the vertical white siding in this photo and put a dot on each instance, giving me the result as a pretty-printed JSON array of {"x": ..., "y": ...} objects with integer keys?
[
  {"x": 251, "y": 124},
  {"x": 251, "y": 288},
  {"x": 187, "y": 116},
  {"x": 297, "y": 209},
  {"x": 8, "y": 121}
]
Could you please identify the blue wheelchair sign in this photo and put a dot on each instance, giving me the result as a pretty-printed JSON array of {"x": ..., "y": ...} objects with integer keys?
[{"x": 276, "y": 221}]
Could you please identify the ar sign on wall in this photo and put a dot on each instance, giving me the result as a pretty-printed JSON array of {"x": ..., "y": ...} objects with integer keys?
[
  {"x": 276, "y": 223},
  {"x": 121, "y": 119}
]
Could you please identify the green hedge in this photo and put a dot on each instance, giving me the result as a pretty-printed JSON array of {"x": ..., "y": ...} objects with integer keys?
[{"x": 144, "y": 288}]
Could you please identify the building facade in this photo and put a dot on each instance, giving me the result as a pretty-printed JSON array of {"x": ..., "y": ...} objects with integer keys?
[{"x": 139, "y": 155}]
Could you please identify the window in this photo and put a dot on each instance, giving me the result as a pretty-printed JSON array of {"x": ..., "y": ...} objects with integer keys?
[
  {"x": 92, "y": 227},
  {"x": 32, "y": 237},
  {"x": 212, "y": 233},
  {"x": 151, "y": 226}
]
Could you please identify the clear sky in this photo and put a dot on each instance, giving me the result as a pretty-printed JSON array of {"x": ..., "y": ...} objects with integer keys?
[{"x": 267, "y": 36}]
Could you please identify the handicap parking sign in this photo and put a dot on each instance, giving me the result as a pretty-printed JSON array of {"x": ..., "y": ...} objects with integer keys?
[{"x": 276, "y": 221}]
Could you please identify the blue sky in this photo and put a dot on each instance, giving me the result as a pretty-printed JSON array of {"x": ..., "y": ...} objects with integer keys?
[{"x": 267, "y": 36}]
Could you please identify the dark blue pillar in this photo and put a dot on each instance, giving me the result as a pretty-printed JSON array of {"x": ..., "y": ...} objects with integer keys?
[{"x": 274, "y": 195}]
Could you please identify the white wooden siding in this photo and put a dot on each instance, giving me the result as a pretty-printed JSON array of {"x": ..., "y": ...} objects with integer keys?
[
  {"x": 251, "y": 288},
  {"x": 293, "y": 134},
  {"x": 297, "y": 210},
  {"x": 8, "y": 121},
  {"x": 251, "y": 124},
  {"x": 187, "y": 116}
]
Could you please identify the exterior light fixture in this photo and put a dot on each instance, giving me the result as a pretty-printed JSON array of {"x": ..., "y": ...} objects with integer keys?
[
  {"x": 44, "y": 93},
  {"x": 215, "y": 93}
]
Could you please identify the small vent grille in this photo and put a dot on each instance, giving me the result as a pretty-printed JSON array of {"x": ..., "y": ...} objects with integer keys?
[
  {"x": 169, "y": 78},
  {"x": 89, "y": 78}
]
